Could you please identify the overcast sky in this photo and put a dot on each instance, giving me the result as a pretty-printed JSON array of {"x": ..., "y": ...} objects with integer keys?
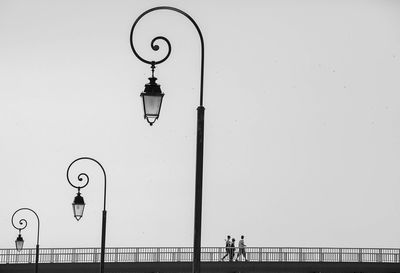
[{"x": 302, "y": 128}]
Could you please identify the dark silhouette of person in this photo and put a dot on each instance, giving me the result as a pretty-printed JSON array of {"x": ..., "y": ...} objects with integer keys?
[
  {"x": 242, "y": 249},
  {"x": 232, "y": 250},
  {"x": 227, "y": 246}
]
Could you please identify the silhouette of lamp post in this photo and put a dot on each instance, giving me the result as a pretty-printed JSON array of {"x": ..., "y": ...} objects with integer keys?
[
  {"x": 152, "y": 100},
  {"x": 19, "y": 242},
  {"x": 78, "y": 205}
]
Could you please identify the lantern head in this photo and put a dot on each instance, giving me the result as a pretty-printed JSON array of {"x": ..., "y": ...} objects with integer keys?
[
  {"x": 152, "y": 99},
  {"x": 19, "y": 242},
  {"x": 78, "y": 206}
]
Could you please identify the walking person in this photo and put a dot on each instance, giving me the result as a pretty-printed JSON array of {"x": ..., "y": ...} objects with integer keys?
[
  {"x": 227, "y": 246},
  {"x": 232, "y": 250},
  {"x": 242, "y": 249}
]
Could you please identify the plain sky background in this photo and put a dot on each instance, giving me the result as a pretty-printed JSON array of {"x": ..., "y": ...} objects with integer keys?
[{"x": 302, "y": 129}]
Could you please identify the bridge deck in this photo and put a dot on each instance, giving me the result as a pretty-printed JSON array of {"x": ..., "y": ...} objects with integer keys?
[{"x": 206, "y": 267}]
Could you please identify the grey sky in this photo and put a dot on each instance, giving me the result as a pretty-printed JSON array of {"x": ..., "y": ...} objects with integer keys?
[{"x": 302, "y": 130}]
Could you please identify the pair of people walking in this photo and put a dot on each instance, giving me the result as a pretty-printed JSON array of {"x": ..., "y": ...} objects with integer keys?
[{"x": 230, "y": 249}]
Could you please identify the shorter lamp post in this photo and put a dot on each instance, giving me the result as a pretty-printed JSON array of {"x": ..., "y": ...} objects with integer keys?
[
  {"x": 19, "y": 242},
  {"x": 78, "y": 205}
]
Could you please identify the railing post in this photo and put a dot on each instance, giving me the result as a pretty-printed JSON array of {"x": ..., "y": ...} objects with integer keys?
[
  {"x": 340, "y": 255},
  {"x": 260, "y": 254},
  {"x": 8, "y": 256},
  {"x": 300, "y": 254},
  {"x": 116, "y": 255},
  {"x": 136, "y": 255},
  {"x": 52, "y": 255},
  {"x": 321, "y": 255},
  {"x": 359, "y": 255},
  {"x": 73, "y": 255}
]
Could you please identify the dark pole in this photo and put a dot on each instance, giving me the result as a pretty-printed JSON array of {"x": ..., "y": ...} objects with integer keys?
[
  {"x": 198, "y": 190},
  {"x": 37, "y": 258},
  {"x": 23, "y": 223},
  {"x": 200, "y": 129},
  {"x": 103, "y": 240},
  {"x": 104, "y": 217}
]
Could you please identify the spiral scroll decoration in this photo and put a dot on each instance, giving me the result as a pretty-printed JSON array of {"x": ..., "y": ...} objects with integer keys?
[
  {"x": 153, "y": 44},
  {"x": 23, "y": 223},
  {"x": 81, "y": 177},
  {"x": 85, "y": 178}
]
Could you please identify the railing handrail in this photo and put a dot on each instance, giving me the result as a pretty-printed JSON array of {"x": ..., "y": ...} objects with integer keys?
[
  {"x": 205, "y": 247},
  {"x": 208, "y": 254}
]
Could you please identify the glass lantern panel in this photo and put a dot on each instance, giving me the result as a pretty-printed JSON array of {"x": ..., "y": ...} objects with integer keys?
[
  {"x": 152, "y": 105},
  {"x": 78, "y": 210}
]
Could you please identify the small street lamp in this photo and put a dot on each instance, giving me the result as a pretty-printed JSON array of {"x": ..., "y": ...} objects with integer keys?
[
  {"x": 152, "y": 99},
  {"x": 19, "y": 242},
  {"x": 78, "y": 205}
]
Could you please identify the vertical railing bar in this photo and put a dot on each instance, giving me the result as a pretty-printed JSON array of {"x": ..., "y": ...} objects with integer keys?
[
  {"x": 73, "y": 255},
  {"x": 300, "y": 255}
]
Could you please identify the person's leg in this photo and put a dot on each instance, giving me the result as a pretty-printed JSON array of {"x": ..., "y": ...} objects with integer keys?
[
  {"x": 237, "y": 257},
  {"x": 226, "y": 254},
  {"x": 242, "y": 253}
]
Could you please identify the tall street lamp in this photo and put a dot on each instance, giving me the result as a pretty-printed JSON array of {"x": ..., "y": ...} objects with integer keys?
[
  {"x": 19, "y": 242},
  {"x": 78, "y": 205},
  {"x": 152, "y": 99}
]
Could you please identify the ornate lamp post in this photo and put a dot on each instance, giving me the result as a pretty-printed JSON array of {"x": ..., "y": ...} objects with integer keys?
[
  {"x": 152, "y": 99},
  {"x": 79, "y": 204},
  {"x": 19, "y": 242}
]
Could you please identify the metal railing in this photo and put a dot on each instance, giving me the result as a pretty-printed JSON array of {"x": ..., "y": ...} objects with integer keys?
[{"x": 208, "y": 254}]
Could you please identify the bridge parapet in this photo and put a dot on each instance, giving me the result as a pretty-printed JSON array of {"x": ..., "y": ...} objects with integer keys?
[{"x": 208, "y": 254}]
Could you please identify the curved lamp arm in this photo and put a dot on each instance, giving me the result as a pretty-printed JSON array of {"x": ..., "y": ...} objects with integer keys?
[
  {"x": 84, "y": 177},
  {"x": 156, "y": 47},
  {"x": 23, "y": 223}
]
